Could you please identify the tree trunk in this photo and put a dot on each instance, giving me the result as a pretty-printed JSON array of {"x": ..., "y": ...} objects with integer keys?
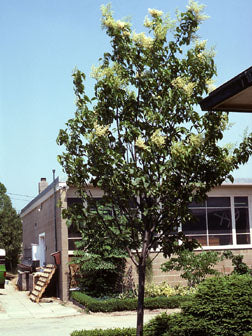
[{"x": 140, "y": 303}]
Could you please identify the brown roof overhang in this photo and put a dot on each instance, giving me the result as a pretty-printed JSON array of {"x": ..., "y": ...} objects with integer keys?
[{"x": 233, "y": 96}]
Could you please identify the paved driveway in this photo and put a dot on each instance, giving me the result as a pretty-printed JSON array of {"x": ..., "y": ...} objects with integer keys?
[{"x": 21, "y": 317}]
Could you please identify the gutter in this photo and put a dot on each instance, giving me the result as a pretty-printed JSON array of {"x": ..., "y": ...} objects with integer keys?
[{"x": 227, "y": 90}]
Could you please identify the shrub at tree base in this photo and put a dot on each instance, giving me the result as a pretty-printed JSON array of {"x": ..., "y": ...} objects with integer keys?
[
  {"x": 102, "y": 281},
  {"x": 157, "y": 326},
  {"x": 110, "y": 305},
  {"x": 225, "y": 303},
  {"x": 222, "y": 306},
  {"x": 194, "y": 267},
  {"x": 107, "y": 332}
]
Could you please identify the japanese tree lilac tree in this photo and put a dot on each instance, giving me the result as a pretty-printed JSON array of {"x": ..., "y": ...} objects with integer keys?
[{"x": 141, "y": 140}]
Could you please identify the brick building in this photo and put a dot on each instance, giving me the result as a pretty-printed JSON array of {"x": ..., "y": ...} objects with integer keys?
[{"x": 225, "y": 222}]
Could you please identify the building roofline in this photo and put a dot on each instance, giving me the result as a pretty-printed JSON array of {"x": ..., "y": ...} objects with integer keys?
[
  {"x": 233, "y": 87},
  {"x": 40, "y": 195},
  {"x": 240, "y": 182},
  {"x": 225, "y": 184}
]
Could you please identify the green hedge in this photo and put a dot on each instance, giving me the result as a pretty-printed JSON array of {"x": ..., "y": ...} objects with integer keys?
[
  {"x": 106, "y": 332},
  {"x": 157, "y": 326},
  {"x": 222, "y": 306},
  {"x": 110, "y": 305}
]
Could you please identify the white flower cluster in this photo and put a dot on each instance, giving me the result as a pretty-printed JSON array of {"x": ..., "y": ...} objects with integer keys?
[
  {"x": 197, "y": 9},
  {"x": 154, "y": 12},
  {"x": 157, "y": 138},
  {"x": 112, "y": 73},
  {"x": 195, "y": 140},
  {"x": 183, "y": 83},
  {"x": 210, "y": 85},
  {"x": 177, "y": 148},
  {"x": 140, "y": 143},
  {"x": 200, "y": 44},
  {"x": 109, "y": 22},
  {"x": 100, "y": 130},
  {"x": 143, "y": 40},
  {"x": 147, "y": 22},
  {"x": 121, "y": 24}
]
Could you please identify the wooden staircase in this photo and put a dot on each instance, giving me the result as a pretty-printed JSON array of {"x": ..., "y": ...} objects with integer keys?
[{"x": 42, "y": 283}]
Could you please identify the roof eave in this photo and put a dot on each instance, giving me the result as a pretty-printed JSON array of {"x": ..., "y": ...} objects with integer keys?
[{"x": 218, "y": 100}]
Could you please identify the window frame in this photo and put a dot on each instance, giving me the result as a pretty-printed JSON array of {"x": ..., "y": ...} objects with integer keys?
[
  {"x": 76, "y": 238},
  {"x": 69, "y": 203},
  {"x": 233, "y": 193},
  {"x": 234, "y": 245}
]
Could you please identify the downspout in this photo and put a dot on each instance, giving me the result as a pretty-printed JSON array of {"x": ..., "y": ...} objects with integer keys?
[{"x": 55, "y": 208}]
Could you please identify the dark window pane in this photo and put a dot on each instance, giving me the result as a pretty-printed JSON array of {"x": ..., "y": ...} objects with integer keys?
[
  {"x": 243, "y": 239},
  {"x": 71, "y": 244},
  {"x": 73, "y": 200},
  {"x": 241, "y": 201},
  {"x": 133, "y": 203},
  {"x": 201, "y": 239},
  {"x": 73, "y": 231},
  {"x": 218, "y": 202},
  {"x": 95, "y": 202},
  {"x": 216, "y": 240},
  {"x": 241, "y": 220},
  {"x": 219, "y": 221},
  {"x": 197, "y": 205},
  {"x": 98, "y": 204},
  {"x": 199, "y": 224}
]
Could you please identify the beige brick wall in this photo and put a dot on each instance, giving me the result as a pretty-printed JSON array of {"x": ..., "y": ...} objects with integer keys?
[
  {"x": 41, "y": 220},
  {"x": 173, "y": 277}
]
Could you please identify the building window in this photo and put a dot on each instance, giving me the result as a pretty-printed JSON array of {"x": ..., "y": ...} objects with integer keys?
[
  {"x": 242, "y": 220},
  {"x": 74, "y": 234},
  {"x": 220, "y": 221}
]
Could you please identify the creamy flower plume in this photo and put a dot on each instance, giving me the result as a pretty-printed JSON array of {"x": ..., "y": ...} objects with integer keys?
[
  {"x": 200, "y": 44},
  {"x": 143, "y": 40},
  {"x": 147, "y": 22},
  {"x": 183, "y": 83},
  {"x": 197, "y": 9},
  {"x": 158, "y": 139},
  {"x": 195, "y": 140},
  {"x": 120, "y": 24},
  {"x": 140, "y": 143},
  {"x": 177, "y": 148},
  {"x": 210, "y": 85},
  {"x": 154, "y": 12},
  {"x": 109, "y": 22},
  {"x": 113, "y": 73},
  {"x": 100, "y": 130}
]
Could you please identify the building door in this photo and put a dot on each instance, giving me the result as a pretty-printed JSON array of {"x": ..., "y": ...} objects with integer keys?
[{"x": 42, "y": 249}]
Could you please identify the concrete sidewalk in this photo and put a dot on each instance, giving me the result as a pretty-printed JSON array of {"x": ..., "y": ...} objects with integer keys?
[
  {"x": 16, "y": 304},
  {"x": 21, "y": 317}
]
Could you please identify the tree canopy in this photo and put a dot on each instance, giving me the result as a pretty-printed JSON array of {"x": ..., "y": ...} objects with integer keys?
[
  {"x": 10, "y": 230},
  {"x": 141, "y": 138}
]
